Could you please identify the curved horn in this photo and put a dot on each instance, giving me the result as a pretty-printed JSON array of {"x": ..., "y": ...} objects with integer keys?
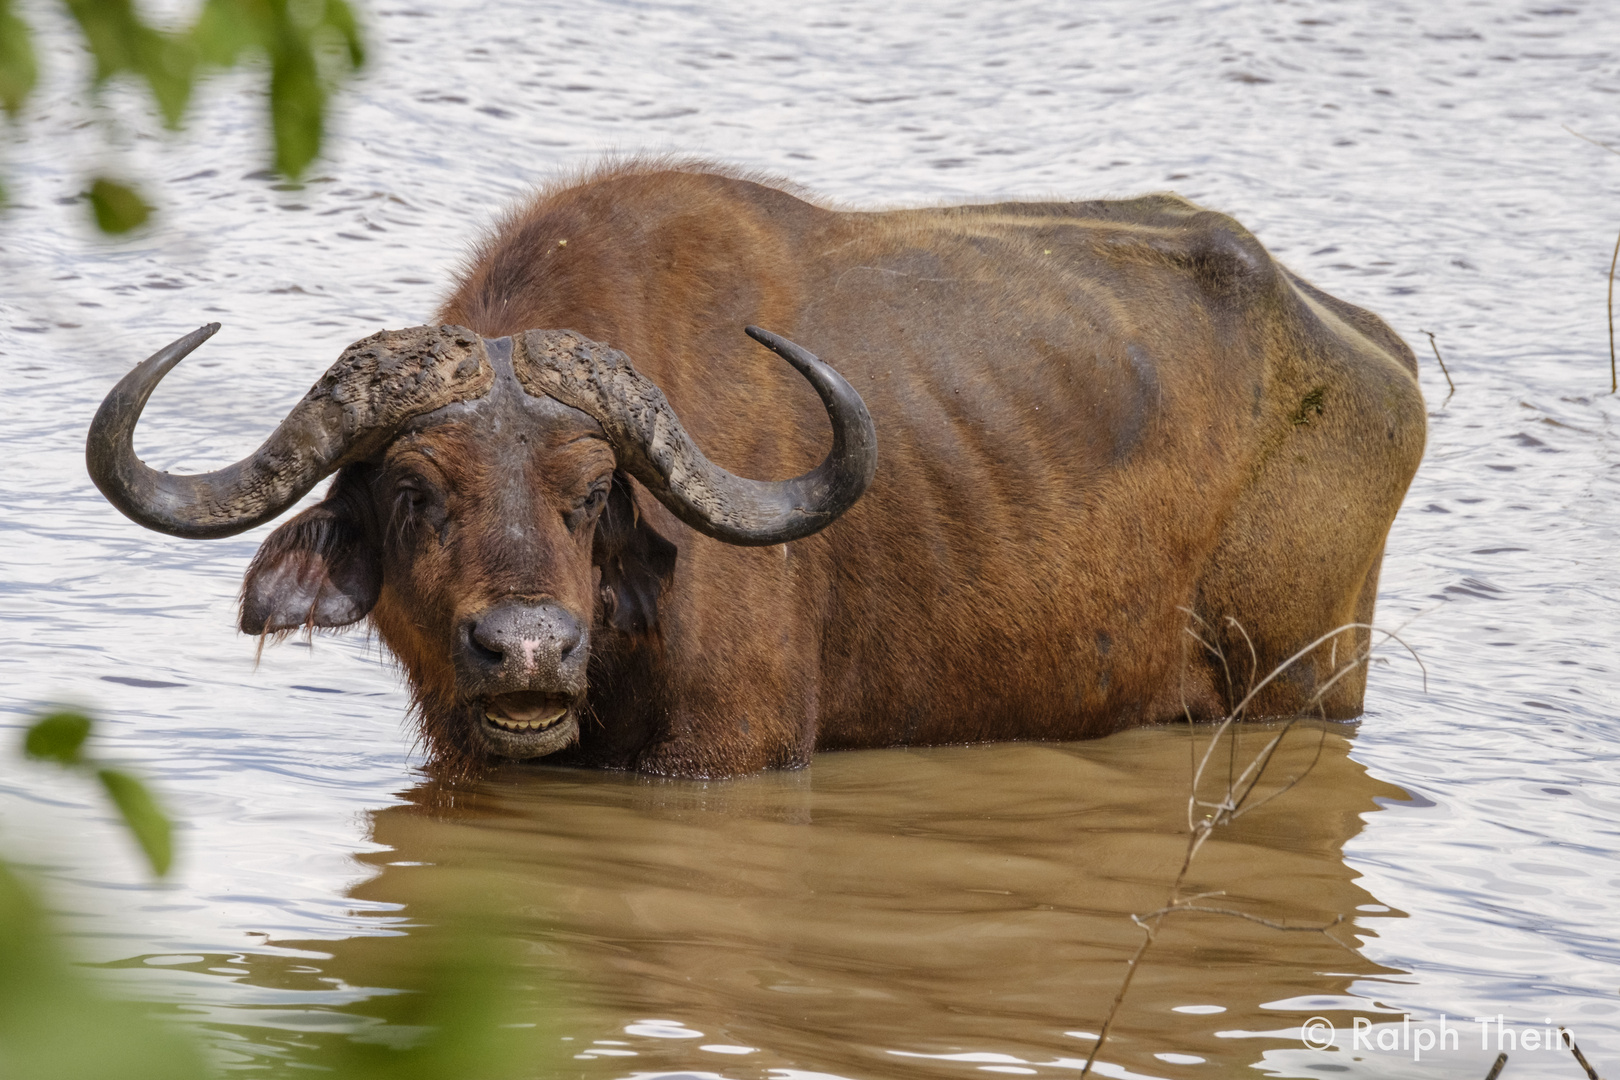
[
  {"x": 655, "y": 449},
  {"x": 376, "y": 386}
]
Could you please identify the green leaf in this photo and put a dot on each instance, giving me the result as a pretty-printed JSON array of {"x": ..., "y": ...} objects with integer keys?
[
  {"x": 222, "y": 31},
  {"x": 464, "y": 996},
  {"x": 341, "y": 18},
  {"x": 26, "y": 946},
  {"x": 304, "y": 41},
  {"x": 59, "y": 737},
  {"x": 112, "y": 31},
  {"x": 118, "y": 208},
  {"x": 141, "y": 814},
  {"x": 120, "y": 41},
  {"x": 18, "y": 71},
  {"x": 53, "y": 1026},
  {"x": 296, "y": 106},
  {"x": 168, "y": 65}
]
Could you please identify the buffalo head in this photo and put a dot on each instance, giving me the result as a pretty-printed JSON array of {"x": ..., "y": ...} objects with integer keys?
[{"x": 482, "y": 515}]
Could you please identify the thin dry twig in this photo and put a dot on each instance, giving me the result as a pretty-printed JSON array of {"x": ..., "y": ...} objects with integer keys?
[
  {"x": 1254, "y": 657},
  {"x": 1591, "y": 140},
  {"x": 1234, "y": 913},
  {"x": 1569, "y": 1041},
  {"x": 1231, "y": 807},
  {"x": 1239, "y": 790},
  {"x": 1614, "y": 382},
  {"x": 1443, "y": 370},
  {"x": 1276, "y": 672},
  {"x": 1292, "y": 780},
  {"x": 1496, "y": 1070},
  {"x": 1213, "y": 649}
]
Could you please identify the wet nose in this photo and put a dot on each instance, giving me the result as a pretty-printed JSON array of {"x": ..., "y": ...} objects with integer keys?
[{"x": 525, "y": 639}]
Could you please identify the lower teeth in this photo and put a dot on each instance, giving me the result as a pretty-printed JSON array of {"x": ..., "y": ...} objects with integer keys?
[{"x": 520, "y": 725}]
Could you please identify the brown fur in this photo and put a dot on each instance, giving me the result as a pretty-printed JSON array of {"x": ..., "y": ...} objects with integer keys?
[{"x": 1092, "y": 418}]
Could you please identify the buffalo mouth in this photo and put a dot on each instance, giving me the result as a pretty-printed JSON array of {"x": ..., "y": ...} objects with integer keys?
[{"x": 527, "y": 724}]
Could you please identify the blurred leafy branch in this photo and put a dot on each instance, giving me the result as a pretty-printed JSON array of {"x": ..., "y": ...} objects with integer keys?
[
  {"x": 308, "y": 44},
  {"x": 459, "y": 1007},
  {"x": 52, "y": 1024},
  {"x": 60, "y": 737}
]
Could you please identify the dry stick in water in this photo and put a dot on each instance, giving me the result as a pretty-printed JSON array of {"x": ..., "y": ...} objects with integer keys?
[
  {"x": 1569, "y": 1041},
  {"x": 1614, "y": 384},
  {"x": 1496, "y": 1070},
  {"x": 1235, "y": 803},
  {"x": 1443, "y": 370}
]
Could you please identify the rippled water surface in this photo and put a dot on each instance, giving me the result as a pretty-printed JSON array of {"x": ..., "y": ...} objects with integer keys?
[{"x": 902, "y": 913}]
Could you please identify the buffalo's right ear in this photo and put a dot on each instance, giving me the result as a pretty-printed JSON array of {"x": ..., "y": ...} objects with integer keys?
[
  {"x": 319, "y": 569},
  {"x": 637, "y": 563}
]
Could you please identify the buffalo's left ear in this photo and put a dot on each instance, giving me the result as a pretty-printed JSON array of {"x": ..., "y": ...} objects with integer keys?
[
  {"x": 316, "y": 570},
  {"x": 637, "y": 563}
]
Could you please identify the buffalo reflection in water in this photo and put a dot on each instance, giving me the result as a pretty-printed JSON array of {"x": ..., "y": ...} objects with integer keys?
[{"x": 876, "y": 906}]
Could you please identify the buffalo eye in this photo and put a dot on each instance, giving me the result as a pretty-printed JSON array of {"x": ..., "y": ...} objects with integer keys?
[
  {"x": 588, "y": 508},
  {"x": 410, "y": 500},
  {"x": 416, "y": 504}
]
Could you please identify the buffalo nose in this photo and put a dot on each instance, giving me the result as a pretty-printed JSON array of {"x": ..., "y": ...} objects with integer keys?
[{"x": 519, "y": 637}]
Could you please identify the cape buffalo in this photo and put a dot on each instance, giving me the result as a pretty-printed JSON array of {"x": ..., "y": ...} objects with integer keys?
[{"x": 1089, "y": 424}]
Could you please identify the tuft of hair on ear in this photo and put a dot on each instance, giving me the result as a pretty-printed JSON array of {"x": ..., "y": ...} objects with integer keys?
[
  {"x": 637, "y": 564},
  {"x": 317, "y": 571}
]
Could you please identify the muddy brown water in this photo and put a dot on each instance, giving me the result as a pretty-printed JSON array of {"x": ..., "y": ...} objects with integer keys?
[
  {"x": 959, "y": 895},
  {"x": 944, "y": 912}
]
